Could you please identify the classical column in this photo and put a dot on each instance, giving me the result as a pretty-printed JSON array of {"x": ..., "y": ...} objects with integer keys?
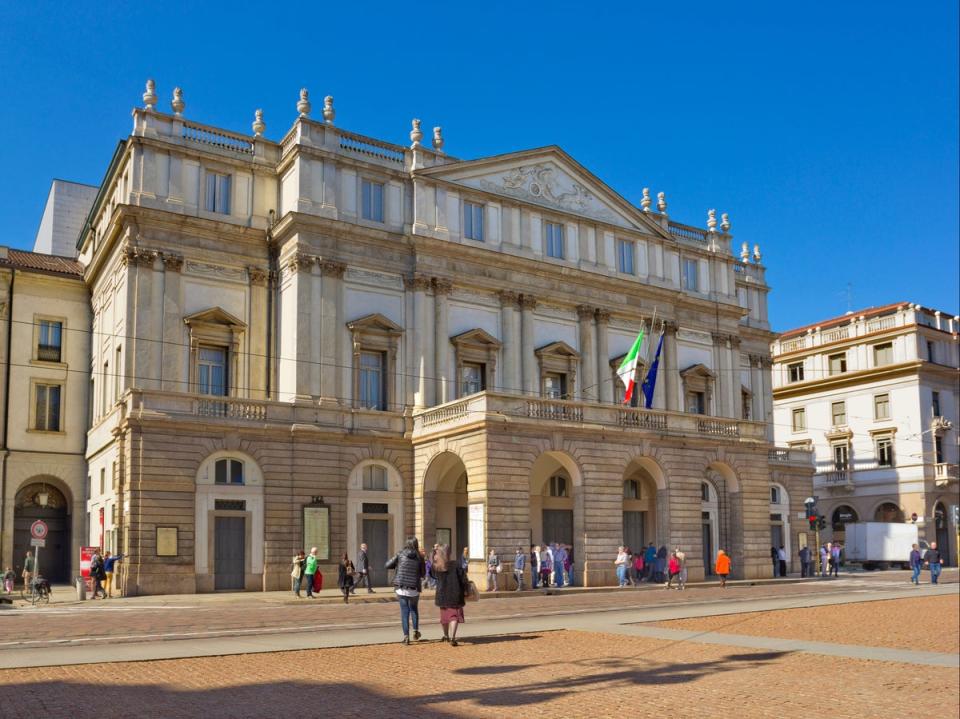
[
  {"x": 441, "y": 344},
  {"x": 766, "y": 416},
  {"x": 419, "y": 286},
  {"x": 588, "y": 352},
  {"x": 173, "y": 374},
  {"x": 604, "y": 379},
  {"x": 531, "y": 383},
  {"x": 736, "y": 385},
  {"x": 141, "y": 331},
  {"x": 331, "y": 327},
  {"x": 510, "y": 336},
  {"x": 671, "y": 372},
  {"x": 756, "y": 387},
  {"x": 301, "y": 266},
  {"x": 723, "y": 379}
]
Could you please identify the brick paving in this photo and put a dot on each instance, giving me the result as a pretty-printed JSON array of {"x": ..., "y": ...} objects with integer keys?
[
  {"x": 556, "y": 674},
  {"x": 925, "y": 624}
]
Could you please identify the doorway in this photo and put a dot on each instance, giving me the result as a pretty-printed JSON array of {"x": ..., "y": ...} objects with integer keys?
[
  {"x": 229, "y": 553},
  {"x": 942, "y": 531},
  {"x": 376, "y": 533},
  {"x": 633, "y": 530},
  {"x": 462, "y": 531},
  {"x": 707, "y": 531},
  {"x": 28, "y": 508},
  {"x": 558, "y": 526}
]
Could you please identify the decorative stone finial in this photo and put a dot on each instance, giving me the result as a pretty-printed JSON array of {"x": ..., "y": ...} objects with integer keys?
[
  {"x": 725, "y": 222},
  {"x": 303, "y": 104},
  {"x": 177, "y": 104},
  {"x": 662, "y": 202},
  {"x": 150, "y": 96},
  {"x": 711, "y": 220},
  {"x": 258, "y": 124},
  {"x": 438, "y": 139},
  {"x": 415, "y": 134},
  {"x": 744, "y": 253},
  {"x": 756, "y": 254},
  {"x": 645, "y": 201},
  {"x": 328, "y": 112}
]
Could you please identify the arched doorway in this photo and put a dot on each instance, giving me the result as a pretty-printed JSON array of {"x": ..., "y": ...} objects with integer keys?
[
  {"x": 375, "y": 515},
  {"x": 640, "y": 525},
  {"x": 40, "y": 500},
  {"x": 445, "y": 502},
  {"x": 942, "y": 531},
  {"x": 888, "y": 512},
  {"x": 780, "y": 522},
  {"x": 709, "y": 524},
  {"x": 556, "y": 515},
  {"x": 841, "y": 517}
]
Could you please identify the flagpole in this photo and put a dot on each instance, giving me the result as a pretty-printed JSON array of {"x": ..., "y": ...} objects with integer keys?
[{"x": 643, "y": 378}]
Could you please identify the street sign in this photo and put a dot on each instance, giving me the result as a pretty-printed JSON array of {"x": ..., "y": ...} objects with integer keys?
[
  {"x": 38, "y": 530},
  {"x": 35, "y": 542}
]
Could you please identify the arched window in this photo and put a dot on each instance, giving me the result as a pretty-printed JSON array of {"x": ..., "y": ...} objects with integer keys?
[
  {"x": 558, "y": 486},
  {"x": 375, "y": 478},
  {"x": 842, "y": 515},
  {"x": 228, "y": 471},
  {"x": 704, "y": 491},
  {"x": 631, "y": 489}
]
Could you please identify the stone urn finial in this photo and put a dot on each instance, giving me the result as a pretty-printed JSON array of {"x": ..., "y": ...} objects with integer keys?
[
  {"x": 415, "y": 134},
  {"x": 177, "y": 104},
  {"x": 725, "y": 222},
  {"x": 662, "y": 202},
  {"x": 438, "y": 139},
  {"x": 150, "y": 96},
  {"x": 303, "y": 104},
  {"x": 711, "y": 220},
  {"x": 328, "y": 112},
  {"x": 745, "y": 253},
  {"x": 756, "y": 254},
  {"x": 259, "y": 126},
  {"x": 645, "y": 201}
]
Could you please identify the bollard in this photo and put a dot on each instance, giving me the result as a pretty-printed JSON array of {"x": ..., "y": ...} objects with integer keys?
[{"x": 81, "y": 589}]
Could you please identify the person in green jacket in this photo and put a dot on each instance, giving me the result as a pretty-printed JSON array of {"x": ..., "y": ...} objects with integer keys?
[{"x": 309, "y": 569}]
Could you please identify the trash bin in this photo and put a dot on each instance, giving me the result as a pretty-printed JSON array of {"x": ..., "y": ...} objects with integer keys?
[{"x": 81, "y": 589}]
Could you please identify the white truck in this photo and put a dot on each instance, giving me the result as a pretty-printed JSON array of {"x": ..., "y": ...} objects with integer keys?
[{"x": 878, "y": 545}]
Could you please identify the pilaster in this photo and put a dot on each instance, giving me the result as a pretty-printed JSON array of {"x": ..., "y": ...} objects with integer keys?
[
  {"x": 528, "y": 360},
  {"x": 671, "y": 372},
  {"x": 603, "y": 379},
  {"x": 441, "y": 342},
  {"x": 510, "y": 373},
  {"x": 588, "y": 352}
]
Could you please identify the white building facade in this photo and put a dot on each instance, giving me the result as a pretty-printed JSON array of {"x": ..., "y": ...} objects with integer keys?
[{"x": 875, "y": 395}]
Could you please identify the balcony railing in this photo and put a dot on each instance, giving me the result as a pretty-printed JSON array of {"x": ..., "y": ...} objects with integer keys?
[
  {"x": 231, "y": 409},
  {"x": 371, "y": 148},
  {"x": 838, "y": 477},
  {"x": 557, "y": 410},
  {"x": 213, "y": 137},
  {"x": 48, "y": 353},
  {"x": 790, "y": 455},
  {"x": 944, "y": 473}
]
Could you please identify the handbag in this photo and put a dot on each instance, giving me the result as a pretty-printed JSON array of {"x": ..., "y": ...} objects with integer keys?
[{"x": 471, "y": 593}]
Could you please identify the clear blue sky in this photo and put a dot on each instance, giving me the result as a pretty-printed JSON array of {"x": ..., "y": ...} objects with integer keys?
[{"x": 828, "y": 131}]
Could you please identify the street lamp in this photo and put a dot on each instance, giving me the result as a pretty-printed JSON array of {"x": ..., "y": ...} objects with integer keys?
[{"x": 42, "y": 497}]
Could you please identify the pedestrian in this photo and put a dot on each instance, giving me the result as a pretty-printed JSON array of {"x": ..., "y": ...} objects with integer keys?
[
  {"x": 934, "y": 560},
  {"x": 782, "y": 559},
  {"x": 661, "y": 564},
  {"x": 916, "y": 564},
  {"x": 493, "y": 570},
  {"x": 535, "y": 566},
  {"x": 805, "y": 570},
  {"x": 559, "y": 564},
  {"x": 519, "y": 561},
  {"x": 451, "y": 585},
  {"x": 638, "y": 567},
  {"x": 428, "y": 563},
  {"x": 296, "y": 571},
  {"x": 650, "y": 561},
  {"x": 109, "y": 563},
  {"x": 309, "y": 569},
  {"x": 673, "y": 568},
  {"x": 722, "y": 567},
  {"x": 345, "y": 577},
  {"x": 632, "y": 578},
  {"x": 98, "y": 575},
  {"x": 8, "y": 579},
  {"x": 682, "y": 560},
  {"x": 568, "y": 563},
  {"x": 620, "y": 563},
  {"x": 835, "y": 560},
  {"x": 363, "y": 569},
  {"x": 546, "y": 566},
  {"x": 465, "y": 559},
  {"x": 775, "y": 557},
  {"x": 825, "y": 560},
  {"x": 406, "y": 581},
  {"x": 27, "y": 574}
]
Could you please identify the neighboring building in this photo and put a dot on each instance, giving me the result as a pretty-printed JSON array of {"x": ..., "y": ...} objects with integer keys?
[
  {"x": 44, "y": 375},
  {"x": 332, "y": 338},
  {"x": 875, "y": 395},
  {"x": 68, "y": 204}
]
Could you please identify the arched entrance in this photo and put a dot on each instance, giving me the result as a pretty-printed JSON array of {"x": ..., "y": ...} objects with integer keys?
[
  {"x": 709, "y": 524},
  {"x": 556, "y": 515},
  {"x": 841, "y": 517},
  {"x": 942, "y": 530},
  {"x": 445, "y": 513},
  {"x": 640, "y": 525},
  {"x": 780, "y": 522},
  {"x": 888, "y": 512},
  {"x": 375, "y": 515},
  {"x": 41, "y": 500}
]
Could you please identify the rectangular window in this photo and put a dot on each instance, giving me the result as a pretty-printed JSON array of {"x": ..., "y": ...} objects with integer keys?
[
  {"x": 105, "y": 389},
  {"x": 117, "y": 384},
  {"x": 371, "y": 200},
  {"x": 931, "y": 352},
  {"x": 212, "y": 371},
  {"x": 838, "y": 363},
  {"x": 841, "y": 457},
  {"x": 375, "y": 508},
  {"x": 838, "y": 413},
  {"x": 103, "y": 480},
  {"x": 938, "y": 449},
  {"x": 935, "y": 404},
  {"x": 114, "y": 477},
  {"x": 555, "y": 385},
  {"x": 883, "y": 354},
  {"x": 218, "y": 193},
  {"x": 49, "y": 341},
  {"x": 372, "y": 381},
  {"x": 625, "y": 251},
  {"x": 775, "y": 499},
  {"x": 375, "y": 478},
  {"x": 473, "y": 378},
  {"x": 473, "y": 221},
  {"x": 690, "y": 275},
  {"x": 47, "y": 408},
  {"x": 554, "y": 237},
  {"x": 799, "y": 420},
  {"x": 881, "y": 406},
  {"x": 795, "y": 372},
  {"x": 696, "y": 403},
  {"x": 885, "y": 451},
  {"x": 228, "y": 471}
]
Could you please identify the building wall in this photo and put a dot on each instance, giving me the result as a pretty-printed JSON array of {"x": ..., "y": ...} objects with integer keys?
[{"x": 63, "y": 216}]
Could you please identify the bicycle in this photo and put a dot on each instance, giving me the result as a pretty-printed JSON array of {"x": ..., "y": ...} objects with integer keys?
[{"x": 37, "y": 593}]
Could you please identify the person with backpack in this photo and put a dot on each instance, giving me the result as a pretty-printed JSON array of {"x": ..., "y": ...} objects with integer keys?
[
  {"x": 451, "y": 586},
  {"x": 98, "y": 574},
  {"x": 345, "y": 577},
  {"x": 309, "y": 570},
  {"x": 410, "y": 570},
  {"x": 109, "y": 563}
]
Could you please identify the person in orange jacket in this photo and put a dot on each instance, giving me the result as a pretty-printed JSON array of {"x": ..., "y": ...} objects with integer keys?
[{"x": 723, "y": 567}]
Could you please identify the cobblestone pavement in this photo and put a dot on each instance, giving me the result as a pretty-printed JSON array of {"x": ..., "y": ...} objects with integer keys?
[
  {"x": 556, "y": 674},
  {"x": 927, "y": 624}
]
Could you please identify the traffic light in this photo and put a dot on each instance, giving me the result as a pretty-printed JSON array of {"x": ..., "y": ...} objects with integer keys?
[
  {"x": 812, "y": 515},
  {"x": 821, "y": 522}
]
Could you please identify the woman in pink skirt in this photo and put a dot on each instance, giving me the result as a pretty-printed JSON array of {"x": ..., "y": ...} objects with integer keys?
[{"x": 451, "y": 584}]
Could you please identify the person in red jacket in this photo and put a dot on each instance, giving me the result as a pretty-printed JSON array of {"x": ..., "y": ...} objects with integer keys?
[{"x": 723, "y": 567}]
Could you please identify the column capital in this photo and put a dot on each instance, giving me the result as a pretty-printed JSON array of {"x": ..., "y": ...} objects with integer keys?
[
  {"x": 508, "y": 298},
  {"x": 300, "y": 262},
  {"x": 134, "y": 255},
  {"x": 172, "y": 262},
  {"x": 670, "y": 327},
  {"x": 332, "y": 268},
  {"x": 602, "y": 315},
  {"x": 257, "y": 276},
  {"x": 442, "y": 286},
  {"x": 527, "y": 302},
  {"x": 585, "y": 312},
  {"x": 417, "y": 283}
]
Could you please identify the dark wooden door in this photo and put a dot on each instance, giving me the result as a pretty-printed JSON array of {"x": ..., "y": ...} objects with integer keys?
[
  {"x": 558, "y": 526},
  {"x": 376, "y": 533},
  {"x": 463, "y": 532},
  {"x": 633, "y": 530},
  {"x": 229, "y": 553}
]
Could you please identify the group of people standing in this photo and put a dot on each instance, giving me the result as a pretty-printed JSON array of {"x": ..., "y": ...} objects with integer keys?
[
  {"x": 652, "y": 565},
  {"x": 550, "y": 565}
]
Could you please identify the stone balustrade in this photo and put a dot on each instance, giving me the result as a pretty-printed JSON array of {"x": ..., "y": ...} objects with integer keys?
[{"x": 790, "y": 455}]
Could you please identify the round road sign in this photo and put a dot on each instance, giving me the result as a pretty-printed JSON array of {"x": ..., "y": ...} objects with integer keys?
[{"x": 38, "y": 530}]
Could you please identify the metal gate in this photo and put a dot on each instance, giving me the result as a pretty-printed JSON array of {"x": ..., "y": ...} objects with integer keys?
[
  {"x": 633, "y": 530},
  {"x": 376, "y": 533},
  {"x": 229, "y": 537},
  {"x": 558, "y": 526}
]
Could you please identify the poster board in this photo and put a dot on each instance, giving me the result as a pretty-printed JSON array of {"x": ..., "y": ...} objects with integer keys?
[
  {"x": 316, "y": 530},
  {"x": 476, "y": 516}
]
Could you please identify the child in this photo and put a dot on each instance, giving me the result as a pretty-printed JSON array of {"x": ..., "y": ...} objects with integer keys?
[{"x": 8, "y": 577}]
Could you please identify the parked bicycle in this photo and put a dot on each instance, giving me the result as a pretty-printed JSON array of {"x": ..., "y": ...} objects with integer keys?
[{"x": 38, "y": 592}]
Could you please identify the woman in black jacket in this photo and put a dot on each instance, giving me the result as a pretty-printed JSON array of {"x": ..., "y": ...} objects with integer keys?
[
  {"x": 451, "y": 586},
  {"x": 345, "y": 577},
  {"x": 410, "y": 569}
]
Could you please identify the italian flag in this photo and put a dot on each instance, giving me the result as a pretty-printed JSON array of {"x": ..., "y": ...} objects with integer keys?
[{"x": 627, "y": 371}]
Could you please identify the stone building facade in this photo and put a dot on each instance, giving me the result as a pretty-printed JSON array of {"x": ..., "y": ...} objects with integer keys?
[{"x": 332, "y": 339}]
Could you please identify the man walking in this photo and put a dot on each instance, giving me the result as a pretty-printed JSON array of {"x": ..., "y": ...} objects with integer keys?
[
  {"x": 825, "y": 560},
  {"x": 28, "y": 565},
  {"x": 363, "y": 569},
  {"x": 935, "y": 561},
  {"x": 535, "y": 566},
  {"x": 109, "y": 561},
  {"x": 518, "y": 563},
  {"x": 559, "y": 557},
  {"x": 309, "y": 569},
  {"x": 805, "y": 570},
  {"x": 916, "y": 564},
  {"x": 782, "y": 558},
  {"x": 835, "y": 560},
  {"x": 682, "y": 560}
]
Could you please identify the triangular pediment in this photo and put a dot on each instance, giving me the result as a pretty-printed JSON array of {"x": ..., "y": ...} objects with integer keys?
[
  {"x": 697, "y": 370},
  {"x": 476, "y": 337},
  {"x": 374, "y": 323},
  {"x": 214, "y": 316},
  {"x": 551, "y": 178},
  {"x": 561, "y": 349}
]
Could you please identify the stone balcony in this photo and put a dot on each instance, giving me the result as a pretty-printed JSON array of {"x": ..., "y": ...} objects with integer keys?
[
  {"x": 945, "y": 474},
  {"x": 496, "y": 408}
]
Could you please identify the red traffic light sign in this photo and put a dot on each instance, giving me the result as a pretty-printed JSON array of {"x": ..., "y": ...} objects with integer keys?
[{"x": 38, "y": 530}]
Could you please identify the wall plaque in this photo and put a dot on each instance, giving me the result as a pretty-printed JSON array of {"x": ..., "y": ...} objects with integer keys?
[
  {"x": 167, "y": 542},
  {"x": 316, "y": 531}
]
